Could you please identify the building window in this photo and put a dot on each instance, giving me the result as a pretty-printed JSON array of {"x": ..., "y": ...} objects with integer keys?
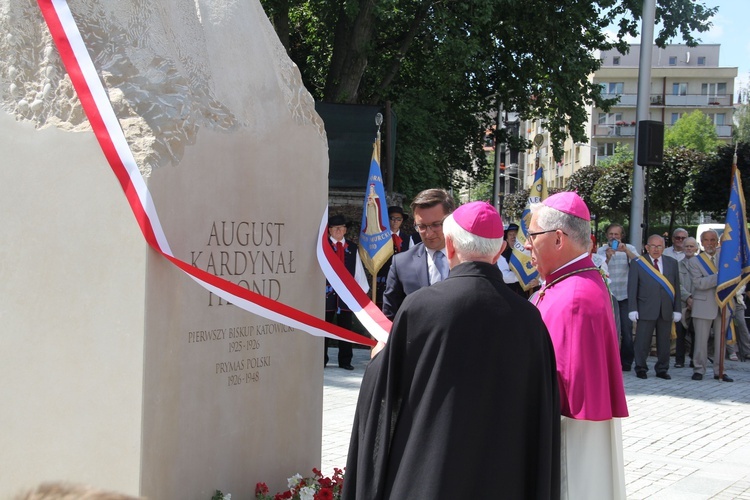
[
  {"x": 605, "y": 149},
  {"x": 717, "y": 89},
  {"x": 675, "y": 117},
  {"x": 673, "y": 60},
  {"x": 609, "y": 118},
  {"x": 701, "y": 60},
  {"x": 717, "y": 118},
  {"x": 616, "y": 61},
  {"x": 679, "y": 89},
  {"x": 612, "y": 87}
]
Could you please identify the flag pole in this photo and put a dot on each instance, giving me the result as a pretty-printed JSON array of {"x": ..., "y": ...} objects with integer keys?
[{"x": 723, "y": 341}]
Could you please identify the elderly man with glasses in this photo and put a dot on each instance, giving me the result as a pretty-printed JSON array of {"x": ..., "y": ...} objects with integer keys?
[
  {"x": 425, "y": 263},
  {"x": 677, "y": 250},
  {"x": 576, "y": 307}
]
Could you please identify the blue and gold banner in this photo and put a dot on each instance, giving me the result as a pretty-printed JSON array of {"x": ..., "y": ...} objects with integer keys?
[
  {"x": 734, "y": 258},
  {"x": 375, "y": 243},
  {"x": 520, "y": 262}
]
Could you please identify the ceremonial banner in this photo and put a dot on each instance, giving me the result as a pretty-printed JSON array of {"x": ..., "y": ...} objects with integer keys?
[
  {"x": 520, "y": 262},
  {"x": 95, "y": 102},
  {"x": 375, "y": 244},
  {"x": 734, "y": 258}
]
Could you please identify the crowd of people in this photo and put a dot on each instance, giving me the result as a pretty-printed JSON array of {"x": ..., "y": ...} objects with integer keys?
[
  {"x": 478, "y": 380},
  {"x": 483, "y": 377}
]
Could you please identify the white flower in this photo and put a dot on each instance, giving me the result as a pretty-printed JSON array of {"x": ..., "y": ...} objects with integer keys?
[
  {"x": 228, "y": 496},
  {"x": 293, "y": 481},
  {"x": 307, "y": 493}
]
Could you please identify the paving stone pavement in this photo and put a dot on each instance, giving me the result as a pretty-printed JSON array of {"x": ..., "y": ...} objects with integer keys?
[{"x": 684, "y": 439}]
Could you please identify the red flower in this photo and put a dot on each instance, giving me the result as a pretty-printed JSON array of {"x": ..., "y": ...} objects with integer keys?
[
  {"x": 325, "y": 482},
  {"x": 261, "y": 489},
  {"x": 324, "y": 494}
]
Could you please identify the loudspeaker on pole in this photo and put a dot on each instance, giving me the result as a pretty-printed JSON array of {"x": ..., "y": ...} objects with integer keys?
[{"x": 650, "y": 143}]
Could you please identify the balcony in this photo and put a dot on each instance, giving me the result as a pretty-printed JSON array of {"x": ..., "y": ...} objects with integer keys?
[
  {"x": 625, "y": 99},
  {"x": 698, "y": 100},
  {"x": 622, "y": 130}
]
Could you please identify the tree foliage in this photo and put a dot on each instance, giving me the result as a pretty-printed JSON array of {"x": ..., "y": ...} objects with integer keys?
[
  {"x": 583, "y": 182},
  {"x": 711, "y": 184},
  {"x": 613, "y": 191},
  {"x": 671, "y": 185},
  {"x": 445, "y": 65},
  {"x": 694, "y": 131},
  {"x": 742, "y": 116}
]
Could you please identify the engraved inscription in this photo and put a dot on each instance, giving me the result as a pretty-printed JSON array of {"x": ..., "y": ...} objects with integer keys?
[
  {"x": 251, "y": 254},
  {"x": 245, "y": 360}
]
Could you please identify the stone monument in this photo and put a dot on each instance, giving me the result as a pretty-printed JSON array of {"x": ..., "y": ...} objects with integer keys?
[{"x": 118, "y": 370}]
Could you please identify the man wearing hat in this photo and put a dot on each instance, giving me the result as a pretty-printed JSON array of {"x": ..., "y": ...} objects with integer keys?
[
  {"x": 432, "y": 420},
  {"x": 336, "y": 309},
  {"x": 425, "y": 263},
  {"x": 401, "y": 243},
  {"x": 576, "y": 307}
]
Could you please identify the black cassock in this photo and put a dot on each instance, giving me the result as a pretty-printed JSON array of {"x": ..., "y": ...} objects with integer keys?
[{"x": 462, "y": 402}]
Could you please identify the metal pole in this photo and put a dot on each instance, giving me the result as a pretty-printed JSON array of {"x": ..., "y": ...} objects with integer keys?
[
  {"x": 496, "y": 184},
  {"x": 642, "y": 107}
]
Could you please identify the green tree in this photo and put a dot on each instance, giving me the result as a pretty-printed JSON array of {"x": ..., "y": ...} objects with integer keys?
[
  {"x": 710, "y": 193},
  {"x": 742, "y": 116},
  {"x": 445, "y": 65},
  {"x": 515, "y": 203},
  {"x": 622, "y": 154},
  {"x": 583, "y": 182},
  {"x": 613, "y": 191},
  {"x": 693, "y": 131},
  {"x": 670, "y": 185}
]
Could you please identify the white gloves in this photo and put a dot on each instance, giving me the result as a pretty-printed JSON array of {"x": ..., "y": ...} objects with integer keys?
[
  {"x": 676, "y": 317},
  {"x": 633, "y": 316}
]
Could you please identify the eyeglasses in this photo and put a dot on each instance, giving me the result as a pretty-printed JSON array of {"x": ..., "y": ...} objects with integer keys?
[
  {"x": 396, "y": 219},
  {"x": 679, "y": 238},
  {"x": 435, "y": 226},
  {"x": 534, "y": 235}
]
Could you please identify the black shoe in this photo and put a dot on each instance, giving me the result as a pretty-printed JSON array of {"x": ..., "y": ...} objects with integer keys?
[
  {"x": 625, "y": 368},
  {"x": 664, "y": 375},
  {"x": 679, "y": 365},
  {"x": 346, "y": 367},
  {"x": 724, "y": 378},
  {"x": 697, "y": 376},
  {"x": 641, "y": 375}
]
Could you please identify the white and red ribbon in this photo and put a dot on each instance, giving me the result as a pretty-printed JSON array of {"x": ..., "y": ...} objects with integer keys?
[
  {"x": 106, "y": 127},
  {"x": 348, "y": 289}
]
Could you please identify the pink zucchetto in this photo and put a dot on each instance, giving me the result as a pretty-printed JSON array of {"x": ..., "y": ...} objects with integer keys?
[
  {"x": 480, "y": 219},
  {"x": 568, "y": 202}
]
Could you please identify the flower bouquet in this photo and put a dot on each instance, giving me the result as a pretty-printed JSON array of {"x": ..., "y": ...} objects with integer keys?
[{"x": 317, "y": 487}]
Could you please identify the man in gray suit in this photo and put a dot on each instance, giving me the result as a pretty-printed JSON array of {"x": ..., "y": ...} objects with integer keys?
[
  {"x": 425, "y": 263},
  {"x": 706, "y": 313},
  {"x": 654, "y": 302}
]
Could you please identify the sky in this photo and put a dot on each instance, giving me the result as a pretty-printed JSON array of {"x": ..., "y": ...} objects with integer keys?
[{"x": 730, "y": 29}]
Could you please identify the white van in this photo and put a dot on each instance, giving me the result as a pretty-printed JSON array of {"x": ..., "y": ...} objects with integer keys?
[{"x": 719, "y": 228}]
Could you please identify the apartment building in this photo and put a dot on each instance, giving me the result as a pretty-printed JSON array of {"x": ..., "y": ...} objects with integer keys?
[{"x": 683, "y": 79}]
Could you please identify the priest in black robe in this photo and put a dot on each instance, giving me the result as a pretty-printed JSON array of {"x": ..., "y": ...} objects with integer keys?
[{"x": 463, "y": 400}]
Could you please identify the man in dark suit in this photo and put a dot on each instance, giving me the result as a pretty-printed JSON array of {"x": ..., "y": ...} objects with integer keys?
[
  {"x": 425, "y": 263},
  {"x": 654, "y": 302}
]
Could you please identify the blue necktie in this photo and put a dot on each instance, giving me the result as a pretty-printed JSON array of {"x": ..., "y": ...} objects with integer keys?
[{"x": 441, "y": 264}]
